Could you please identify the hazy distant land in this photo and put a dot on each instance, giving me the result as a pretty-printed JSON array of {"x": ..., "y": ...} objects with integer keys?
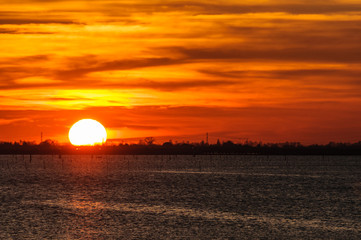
[{"x": 169, "y": 148}]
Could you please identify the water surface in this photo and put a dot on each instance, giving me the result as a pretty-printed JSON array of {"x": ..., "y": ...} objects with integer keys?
[{"x": 180, "y": 197}]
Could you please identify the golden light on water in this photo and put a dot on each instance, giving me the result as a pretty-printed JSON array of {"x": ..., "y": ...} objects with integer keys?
[{"x": 87, "y": 132}]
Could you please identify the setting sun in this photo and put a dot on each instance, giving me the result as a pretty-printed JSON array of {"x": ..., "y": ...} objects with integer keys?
[{"x": 87, "y": 132}]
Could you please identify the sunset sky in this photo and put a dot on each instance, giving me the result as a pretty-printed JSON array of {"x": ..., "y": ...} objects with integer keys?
[{"x": 270, "y": 71}]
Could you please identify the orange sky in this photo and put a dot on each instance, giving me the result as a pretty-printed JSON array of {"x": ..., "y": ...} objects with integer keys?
[{"x": 264, "y": 70}]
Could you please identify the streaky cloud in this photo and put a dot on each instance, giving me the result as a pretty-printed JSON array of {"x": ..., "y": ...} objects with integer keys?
[
  {"x": 124, "y": 64},
  {"x": 34, "y": 21},
  {"x": 199, "y": 7},
  {"x": 303, "y": 54},
  {"x": 17, "y": 31}
]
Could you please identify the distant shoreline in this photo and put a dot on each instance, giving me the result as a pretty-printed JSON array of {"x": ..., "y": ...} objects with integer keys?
[{"x": 225, "y": 148}]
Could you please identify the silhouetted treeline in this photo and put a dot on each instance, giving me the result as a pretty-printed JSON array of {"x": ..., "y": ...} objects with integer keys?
[{"x": 169, "y": 148}]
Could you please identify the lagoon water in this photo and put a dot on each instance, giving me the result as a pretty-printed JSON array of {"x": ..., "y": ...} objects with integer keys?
[{"x": 180, "y": 197}]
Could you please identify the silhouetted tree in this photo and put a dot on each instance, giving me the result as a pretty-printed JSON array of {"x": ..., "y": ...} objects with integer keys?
[{"x": 149, "y": 140}]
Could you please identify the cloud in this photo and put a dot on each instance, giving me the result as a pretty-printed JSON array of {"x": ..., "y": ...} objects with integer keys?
[
  {"x": 18, "y": 31},
  {"x": 287, "y": 74},
  {"x": 277, "y": 53},
  {"x": 199, "y": 7},
  {"x": 8, "y": 31},
  {"x": 7, "y": 21},
  {"x": 169, "y": 86},
  {"x": 15, "y": 68},
  {"x": 67, "y": 98},
  {"x": 20, "y": 60},
  {"x": 125, "y": 64},
  {"x": 13, "y": 120},
  {"x": 140, "y": 127},
  {"x": 8, "y": 75},
  {"x": 204, "y": 7},
  {"x": 290, "y": 32},
  {"x": 76, "y": 77}
]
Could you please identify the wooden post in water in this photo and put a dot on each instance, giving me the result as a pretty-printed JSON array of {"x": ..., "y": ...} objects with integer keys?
[
  {"x": 107, "y": 162},
  {"x": 161, "y": 163},
  {"x": 286, "y": 163},
  {"x": 25, "y": 166},
  {"x": 199, "y": 165},
  {"x": 169, "y": 162}
]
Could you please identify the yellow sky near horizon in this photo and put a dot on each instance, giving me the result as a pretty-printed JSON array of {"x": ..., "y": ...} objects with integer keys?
[{"x": 265, "y": 70}]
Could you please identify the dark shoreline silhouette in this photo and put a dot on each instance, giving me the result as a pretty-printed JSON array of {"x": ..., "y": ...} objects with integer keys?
[{"x": 169, "y": 148}]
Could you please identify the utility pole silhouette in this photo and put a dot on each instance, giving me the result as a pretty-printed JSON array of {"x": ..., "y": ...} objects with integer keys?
[
  {"x": 207, "y": 139},
  {"x": 41, "y": 137}
]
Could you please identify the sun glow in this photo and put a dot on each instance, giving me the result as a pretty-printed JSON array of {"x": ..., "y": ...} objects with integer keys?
[{"x": 87, "y": 132}]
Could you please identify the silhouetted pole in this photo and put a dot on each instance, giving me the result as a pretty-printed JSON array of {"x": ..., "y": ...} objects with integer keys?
[
  {"x": 199, "y": 165},
  {"x": 107, "y": 160},
  {"x": 161, "y": 163},
  {"x": 26, "y": 168},
  {"x": 43, "y": 162}
]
